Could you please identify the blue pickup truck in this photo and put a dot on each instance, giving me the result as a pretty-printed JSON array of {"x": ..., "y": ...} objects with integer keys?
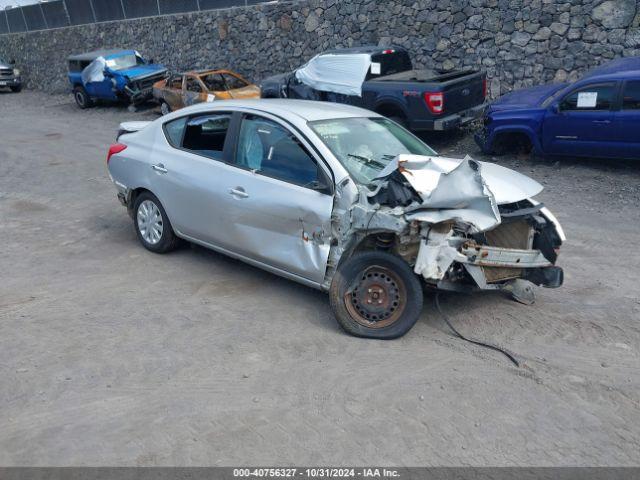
[
  {"x": 384, "y": 80},
  {"x": 597, "y": 116},
  {"x": 114, "y": 75}
]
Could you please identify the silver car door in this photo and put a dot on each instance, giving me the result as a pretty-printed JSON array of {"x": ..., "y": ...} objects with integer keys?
[
  {"x": 281, "y": 199},
  {"x": 190, "y": 174}
]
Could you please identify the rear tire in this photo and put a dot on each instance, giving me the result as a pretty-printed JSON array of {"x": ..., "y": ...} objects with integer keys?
[
  {"x": 82, "y": 98},
  {"x": 16, "y": 89},
  {"x": 376, "y": 294},
  {"x": 152, "y": 225}
]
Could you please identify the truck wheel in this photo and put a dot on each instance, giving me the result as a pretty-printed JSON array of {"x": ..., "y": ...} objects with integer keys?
[
  {"x": 376, "y": 295},
  {"x": 152, "y": 224},
  {"x": 82, "y": 98},
  {"x": 165, "y": 109},
  {"x": 16, "y": 89}
]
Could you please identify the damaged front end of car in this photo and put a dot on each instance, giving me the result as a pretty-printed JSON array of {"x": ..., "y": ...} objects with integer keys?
[{"x": 462, "y": 225}]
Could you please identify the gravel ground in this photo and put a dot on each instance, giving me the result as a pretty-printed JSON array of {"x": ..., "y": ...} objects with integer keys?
[{"x": 111, "y": 355}]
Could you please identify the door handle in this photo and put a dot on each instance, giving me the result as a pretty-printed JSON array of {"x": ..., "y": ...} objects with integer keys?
[
  {"x": 238, "y": 192},
  {"x": 602, "y": 122},
  {"x": 159, "y": 168}
]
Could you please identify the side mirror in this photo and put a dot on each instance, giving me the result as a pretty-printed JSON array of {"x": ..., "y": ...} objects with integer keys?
[
  {"x": 319, "y": 186},
  {"x": 12, "y": 62},
  {"x": 555, "y": 108}
]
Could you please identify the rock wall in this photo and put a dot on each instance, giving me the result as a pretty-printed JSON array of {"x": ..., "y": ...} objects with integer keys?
[{"x": 517, "y": 42}]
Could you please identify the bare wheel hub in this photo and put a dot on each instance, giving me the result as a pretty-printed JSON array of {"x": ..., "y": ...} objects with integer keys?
[{"x": 377, "y": 298}]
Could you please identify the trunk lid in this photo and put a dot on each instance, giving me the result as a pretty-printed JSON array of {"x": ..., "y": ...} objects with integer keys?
[{"x": 462, "y": 91}]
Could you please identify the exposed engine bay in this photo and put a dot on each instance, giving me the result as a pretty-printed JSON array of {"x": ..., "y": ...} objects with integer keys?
[{"x": 461, "y": 225}]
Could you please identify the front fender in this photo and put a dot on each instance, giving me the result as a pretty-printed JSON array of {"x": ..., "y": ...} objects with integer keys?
[{"x": 527, "y": 130}]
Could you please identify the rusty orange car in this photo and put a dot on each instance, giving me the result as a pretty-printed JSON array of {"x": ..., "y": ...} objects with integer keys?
[{"x": 188, "y": 88}]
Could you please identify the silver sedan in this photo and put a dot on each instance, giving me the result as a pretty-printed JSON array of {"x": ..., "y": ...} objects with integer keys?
[{"x": 337, "y": 198}]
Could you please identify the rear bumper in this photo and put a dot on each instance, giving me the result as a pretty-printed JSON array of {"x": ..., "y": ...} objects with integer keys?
[{"x": 450, "y": 121}]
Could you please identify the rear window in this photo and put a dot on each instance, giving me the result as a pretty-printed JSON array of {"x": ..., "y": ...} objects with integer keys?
[
  {"x": 174, "y": 131},
  {"x": 77, "y": 65},
  {"x": 389, "y": 63},
  {"x": 232, "y": 82},
  {"x": 214, "y": 82}
]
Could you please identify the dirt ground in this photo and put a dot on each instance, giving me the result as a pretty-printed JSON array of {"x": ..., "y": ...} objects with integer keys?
[{"x": 112, "y": 355}]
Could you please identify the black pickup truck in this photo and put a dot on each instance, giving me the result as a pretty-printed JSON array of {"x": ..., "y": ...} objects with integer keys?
[{"x": 418, "y": 99}]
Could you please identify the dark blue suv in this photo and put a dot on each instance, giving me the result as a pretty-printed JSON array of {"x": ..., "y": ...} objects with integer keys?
[{"x": 597, "y": 116}]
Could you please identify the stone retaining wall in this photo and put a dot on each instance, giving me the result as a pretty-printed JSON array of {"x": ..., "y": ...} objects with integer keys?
[{"x": 518, "y": 42}]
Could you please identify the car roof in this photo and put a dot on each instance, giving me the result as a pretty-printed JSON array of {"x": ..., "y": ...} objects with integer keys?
[
  {"x": 619, "y": 68},
  {"x": 306, "y": 110},
  {"x": 199, "y": 73},
  {"x": 371, "y": 49},
  {"x": 90, "y": 56}
]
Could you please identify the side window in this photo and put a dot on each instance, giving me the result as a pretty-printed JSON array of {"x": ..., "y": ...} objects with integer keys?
[
  {"x": 631, "y": 95},
  {"x": 206, "y": 134},
  {"x": 214, "y": 82},
  {"x": 593, "y": 97},
  {"x": 193, "y": 85},
  {"x": 233, "y": 82},
  {"x": 270, "y": 149},
  {"x": 176, "y": 82},
  {"x": 173, "y": 131}
]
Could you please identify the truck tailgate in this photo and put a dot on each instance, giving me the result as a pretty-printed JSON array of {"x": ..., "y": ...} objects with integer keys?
[{"x": 464, "y": 91}]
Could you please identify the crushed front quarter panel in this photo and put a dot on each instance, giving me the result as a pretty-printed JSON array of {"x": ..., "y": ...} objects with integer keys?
[{"x": 447, "y": 205}]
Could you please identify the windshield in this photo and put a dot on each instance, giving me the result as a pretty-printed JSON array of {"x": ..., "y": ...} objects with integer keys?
[
  {"x": 366, "y": 145},
  {"x": 124, "y": 62}
]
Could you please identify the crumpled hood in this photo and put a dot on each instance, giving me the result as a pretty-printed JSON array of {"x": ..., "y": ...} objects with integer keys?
[
  {"x": 527, "y": 97},
  {"x": 142, "y": 71},
  {"x": 462, "y": 190}
]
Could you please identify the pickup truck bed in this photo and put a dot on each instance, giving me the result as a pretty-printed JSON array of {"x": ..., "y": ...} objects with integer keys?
[
  {"x": 463, "y": 97},
  {"x": 418, "y": 99}
]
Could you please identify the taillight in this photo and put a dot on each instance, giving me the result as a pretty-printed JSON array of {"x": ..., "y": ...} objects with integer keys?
[
  {"x": 435, "y": 102},
  {"x": 387, "y": 52},
  {"x": 115, "y": 148},
  {"x": 484, "y": 87}
]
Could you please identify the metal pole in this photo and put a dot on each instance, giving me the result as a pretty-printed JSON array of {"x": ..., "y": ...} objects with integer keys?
[
  {"x": 158, "y": 4},
  {"x": 93, "y": 12},
  {"x": 44, "y": 17},
  {"x": 24, "y": 19},
  {"x": 66, "y": 10},
  {"x": 198, "y": 3},
  {"x": 124, "y": 12},
  {"x": 6, "y": 19}
]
